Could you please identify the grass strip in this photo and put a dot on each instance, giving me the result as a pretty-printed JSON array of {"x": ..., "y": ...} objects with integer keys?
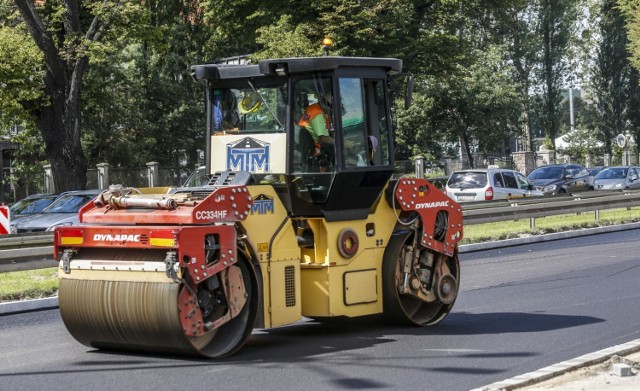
[
  {"x": 28, "y": 284},
  {"x": 478, "y": 233}
]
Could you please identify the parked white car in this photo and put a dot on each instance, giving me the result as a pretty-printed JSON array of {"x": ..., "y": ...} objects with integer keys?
[{"x": 489, "y": 184}]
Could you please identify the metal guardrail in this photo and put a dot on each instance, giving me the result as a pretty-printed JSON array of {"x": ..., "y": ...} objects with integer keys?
[
  {"x": 531, "y": 208},
  {"x": 35, "y": 251},
  {"x": 26, "y": 252}
]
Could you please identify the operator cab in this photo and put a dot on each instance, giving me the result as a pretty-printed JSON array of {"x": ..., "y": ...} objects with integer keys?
[{"x": 258, "y": 123}]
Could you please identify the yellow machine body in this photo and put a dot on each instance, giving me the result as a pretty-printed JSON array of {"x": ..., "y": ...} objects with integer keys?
[{"x": 317, "y": 281}]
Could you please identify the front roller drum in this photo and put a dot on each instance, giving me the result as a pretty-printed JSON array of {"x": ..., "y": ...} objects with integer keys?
[
  {"x": 421, "y": 296},
  {"x": 146, "y": 316}
]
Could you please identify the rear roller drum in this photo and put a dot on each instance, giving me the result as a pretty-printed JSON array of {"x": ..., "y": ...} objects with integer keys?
[
  {"x": 426, "y": 293},
  {"x": 148, "y": 317}
]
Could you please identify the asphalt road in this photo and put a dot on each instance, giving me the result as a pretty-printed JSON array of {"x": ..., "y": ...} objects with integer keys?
[{"x": 520, "y": 309}]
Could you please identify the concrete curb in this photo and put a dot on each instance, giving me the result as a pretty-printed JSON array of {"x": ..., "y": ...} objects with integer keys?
[
  {"x": 14, "y": 307},
  {"x": 466, "y": 248},
  {"x": 559, "y": 369}
]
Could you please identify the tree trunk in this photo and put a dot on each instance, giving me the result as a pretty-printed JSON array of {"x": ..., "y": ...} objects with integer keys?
[
  {"x": 59, "y": 120},
  {"x": 68, "y": 162}
]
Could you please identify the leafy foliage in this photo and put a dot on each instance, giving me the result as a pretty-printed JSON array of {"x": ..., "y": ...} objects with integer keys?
[{"x": 486, "y": 71}]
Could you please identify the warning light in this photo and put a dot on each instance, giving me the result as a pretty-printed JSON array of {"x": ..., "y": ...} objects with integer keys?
[{"x": 327, "y": 44}]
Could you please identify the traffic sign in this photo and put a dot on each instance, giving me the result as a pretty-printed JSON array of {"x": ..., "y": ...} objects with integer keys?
[{"x": 621, "y": 140}]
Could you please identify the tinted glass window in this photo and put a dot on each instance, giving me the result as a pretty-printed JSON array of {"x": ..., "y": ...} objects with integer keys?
[
  {"x": 250, "y": 109},
  {"x": 69, "y": 203},
  {"x": 313, "y": 112},
  {"x": 31, "y": 206},
  {"x": 468, "y": 180},
  {"x": 612, "y": 173},
  {"x": 510, "y": 180},
  {"x": 546, "y": 173},
  {"x": 355, "y": 133},
  {"x": 523, "y": 183},
  {"x": 497, "y": 180}
]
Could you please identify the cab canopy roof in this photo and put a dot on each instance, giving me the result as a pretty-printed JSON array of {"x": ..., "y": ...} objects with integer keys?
[{"x": 285, "y": 66}]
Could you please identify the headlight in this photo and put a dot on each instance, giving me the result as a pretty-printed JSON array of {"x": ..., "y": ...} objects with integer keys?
[
  {"x": 617, "y": 185},
  {"x": 549, "y": 189},
  {"x": 59, "y": 225}
]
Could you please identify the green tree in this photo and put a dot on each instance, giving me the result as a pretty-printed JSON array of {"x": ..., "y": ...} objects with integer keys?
[
  {"x": 141, "y": 103},
  {"x": 480, "y": 106},
  {"x": 64, "y": 33},
  {"x": 631, "y": 11},
  {"x": 520, "y": 29},
  {"x": 557, "y": 25},
  {"x": 612, "y": 76}
]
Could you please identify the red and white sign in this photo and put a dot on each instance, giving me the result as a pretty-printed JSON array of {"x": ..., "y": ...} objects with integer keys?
[{"x": 5, "y": 228}]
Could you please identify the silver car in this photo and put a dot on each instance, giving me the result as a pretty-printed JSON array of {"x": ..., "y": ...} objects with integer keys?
[
  {"x": 63, "y": 211},
  {"x": 489, "y": 184},
  {"x": 618, "y": 178}
]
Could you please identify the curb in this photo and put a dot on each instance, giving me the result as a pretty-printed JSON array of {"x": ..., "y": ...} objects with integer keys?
[
  {"x": 561, "y": 368},
  {"x": 14, "y": 307},
  {"x": 467, "y": 248}
]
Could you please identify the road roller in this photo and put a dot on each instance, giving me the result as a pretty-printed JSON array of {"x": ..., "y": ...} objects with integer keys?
[{"x": 300, "y": 216}]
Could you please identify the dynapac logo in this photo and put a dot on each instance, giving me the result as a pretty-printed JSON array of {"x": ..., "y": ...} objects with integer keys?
[
  {"x": 248, "y": 154},
  {"x": 430, "y": 205},
  {"x": 116, "y": 238}
]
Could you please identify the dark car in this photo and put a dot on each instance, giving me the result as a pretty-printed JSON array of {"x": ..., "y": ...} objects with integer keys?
[
  {"x": 562, "y": 178},
  {"x": 63, "y": 211}
]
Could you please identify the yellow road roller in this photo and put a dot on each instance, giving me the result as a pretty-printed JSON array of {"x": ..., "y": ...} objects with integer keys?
[{"x": 300, "y": 215}]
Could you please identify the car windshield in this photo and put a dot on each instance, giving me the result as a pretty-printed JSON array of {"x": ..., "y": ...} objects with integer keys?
[
  {"x": 31, "y": 205},
  {"x": 468, "y": 180},
  {"x": 70, "y": 203},
  {"x": 613, "y": 173},
  {"x": 546, "y": 173},
  {"x": 197, "y": 178}
]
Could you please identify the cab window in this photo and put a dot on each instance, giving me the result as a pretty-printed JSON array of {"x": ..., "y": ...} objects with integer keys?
[
  {"x": 250, "y": 109},
  {"x": 353, "y": 125},
  {"x": 363, "y": 117}
]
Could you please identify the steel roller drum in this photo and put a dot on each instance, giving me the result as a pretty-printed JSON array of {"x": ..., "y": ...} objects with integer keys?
[
  {"x": 136, "y": 311},
  {"x": 141, "y": 316}
]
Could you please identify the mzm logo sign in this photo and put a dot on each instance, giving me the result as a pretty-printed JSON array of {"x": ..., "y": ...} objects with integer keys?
[
  {"x": 248, "y": 154},
  {"x": 262, "y": 205}
]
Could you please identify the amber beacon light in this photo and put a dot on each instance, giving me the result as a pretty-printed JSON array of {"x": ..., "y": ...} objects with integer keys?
[{"x": 327, "y": 44}]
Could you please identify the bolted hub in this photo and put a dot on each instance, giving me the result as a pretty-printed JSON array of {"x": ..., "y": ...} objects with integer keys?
[{"x": 447, "y": 289}]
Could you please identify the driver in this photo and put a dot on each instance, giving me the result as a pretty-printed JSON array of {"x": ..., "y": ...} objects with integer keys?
[{"x": 317, "y": 121}]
